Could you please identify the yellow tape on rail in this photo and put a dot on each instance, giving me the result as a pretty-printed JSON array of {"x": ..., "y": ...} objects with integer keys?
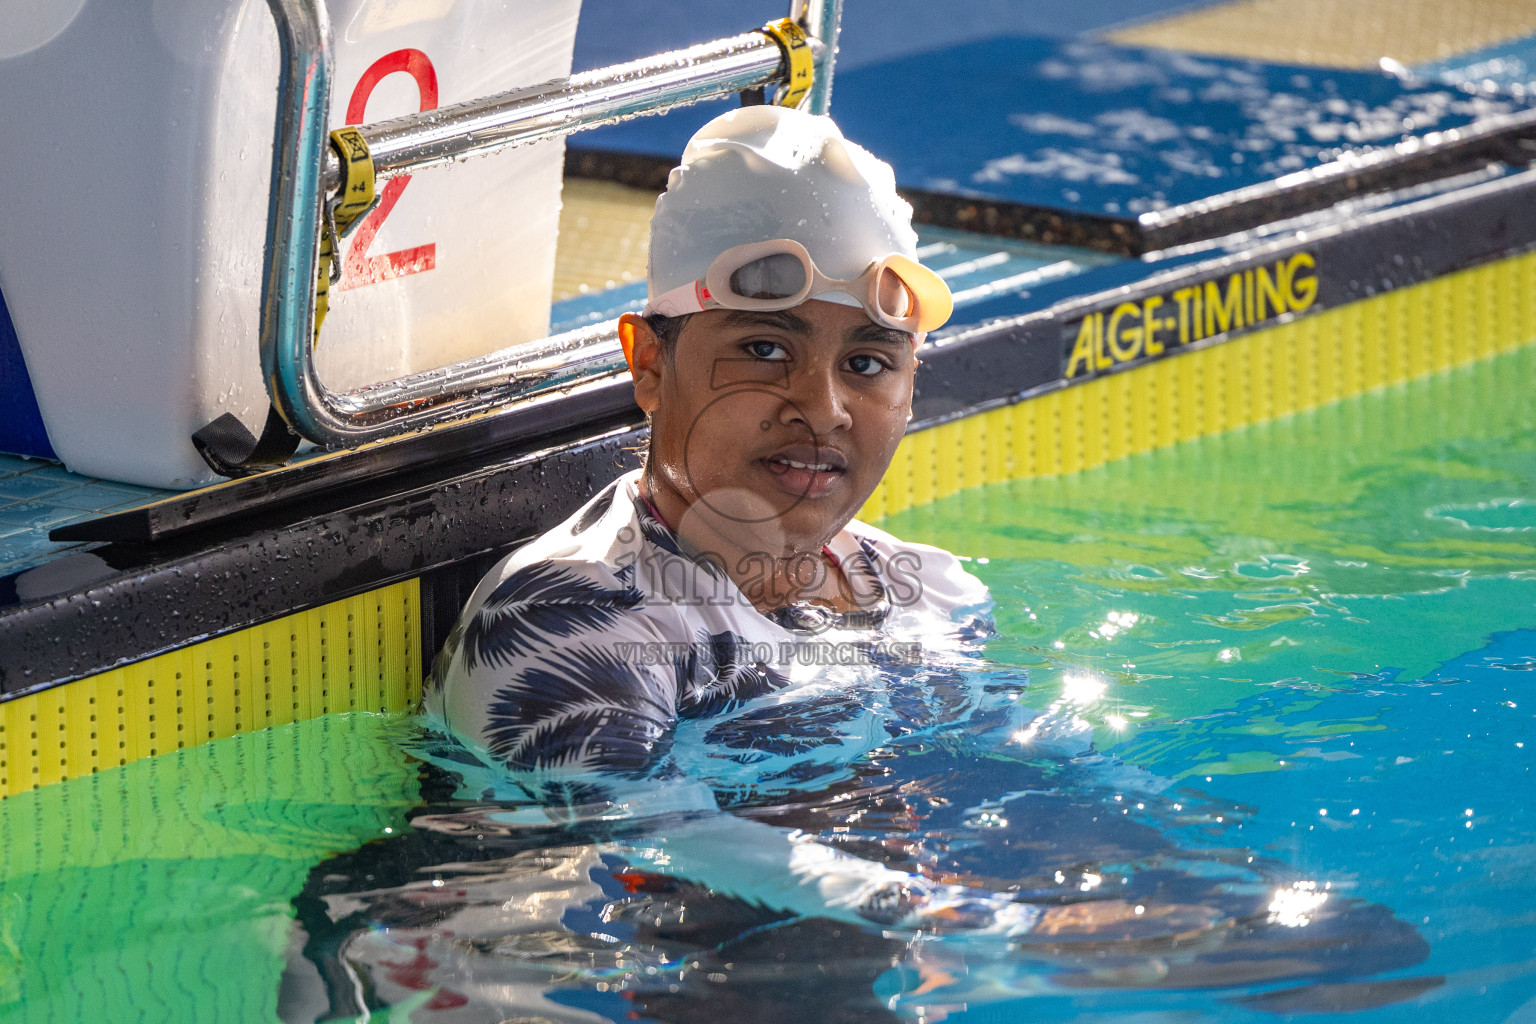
[
  {"x": 798, "y": 60},
  {"x": 354, "y": 198}
]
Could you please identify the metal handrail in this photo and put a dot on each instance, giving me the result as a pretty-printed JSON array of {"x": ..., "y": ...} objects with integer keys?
[
  {"x": 304, "y": 170},
  {"x": 403, "y": 145}
]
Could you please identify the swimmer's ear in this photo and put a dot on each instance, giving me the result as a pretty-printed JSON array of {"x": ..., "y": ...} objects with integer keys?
[{"x": 643, "y": 352}]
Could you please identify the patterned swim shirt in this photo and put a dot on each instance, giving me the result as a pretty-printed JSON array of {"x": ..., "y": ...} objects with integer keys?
[{"x": 583, "y": 649}]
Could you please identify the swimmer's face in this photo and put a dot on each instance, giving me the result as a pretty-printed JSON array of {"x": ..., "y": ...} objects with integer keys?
[{"x": 771, "y": 429}]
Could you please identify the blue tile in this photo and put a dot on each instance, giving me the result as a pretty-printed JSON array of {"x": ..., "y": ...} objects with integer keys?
[
  {"x": 71, "y": 515},
  {"x": 54, "y": 471},
  {"x": 9, "y": 565},
  {"x": 34, "y": 515},
  {"x": 11, "y": 465},
  {"x": 16, "y": 558},
  {"x": 15, "y": 519},
  {"x": 97, "y": 497},
  {"x": 29, "y": 486},
  {"x": 109, "y": 510}
]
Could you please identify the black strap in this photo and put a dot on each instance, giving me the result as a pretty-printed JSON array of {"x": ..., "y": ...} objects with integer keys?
[{"x": 230, "y": 449}]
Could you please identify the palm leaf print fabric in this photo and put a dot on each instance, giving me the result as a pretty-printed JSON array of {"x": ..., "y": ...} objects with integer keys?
[
  {"x": 581, "y": 651},
  {"x": 539, "y": 606},
  {"x": 578, "y": 706},
  {"x": 718, "y": 674}
]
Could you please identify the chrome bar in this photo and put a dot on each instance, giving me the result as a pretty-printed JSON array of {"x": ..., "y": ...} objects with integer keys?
[
  {"x": 521, "y": 371},
  {"x": 822, "y": 20},
  {"x": 591, "y": 99},
  {"x": 304, "y": 171},
  {"x": 293, "y": 217}
]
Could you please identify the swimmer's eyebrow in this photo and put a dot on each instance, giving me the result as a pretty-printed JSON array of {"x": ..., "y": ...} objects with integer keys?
[
  {"x": 872, "y": 332},
  {"x": 782, "y": 319}
]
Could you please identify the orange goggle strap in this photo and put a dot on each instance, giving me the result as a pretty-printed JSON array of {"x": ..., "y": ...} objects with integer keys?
[
  {"x": 627, "y": 342},
  {"x": 935, "y": 302}
]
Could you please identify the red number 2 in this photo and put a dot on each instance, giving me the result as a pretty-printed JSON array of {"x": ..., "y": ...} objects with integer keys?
[{"x": 359, "y": 268}]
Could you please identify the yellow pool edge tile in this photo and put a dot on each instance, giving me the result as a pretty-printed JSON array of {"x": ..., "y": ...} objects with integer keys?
[{"x": 272, "y": 674}]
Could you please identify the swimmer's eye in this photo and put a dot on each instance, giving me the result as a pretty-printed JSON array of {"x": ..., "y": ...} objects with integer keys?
[
  {"x": 770, "y": 350},
  {"x": 867, "y": 365}
]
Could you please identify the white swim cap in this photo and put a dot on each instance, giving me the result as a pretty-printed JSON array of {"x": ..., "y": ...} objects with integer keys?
[{"x": 767, "y": 172}]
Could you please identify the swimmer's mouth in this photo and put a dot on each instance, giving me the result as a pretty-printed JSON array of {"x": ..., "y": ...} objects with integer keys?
[
  {"x": 806, "y": 470},
  {"x": 808, "y": 459},
  {"x": 782, "y": 463}
]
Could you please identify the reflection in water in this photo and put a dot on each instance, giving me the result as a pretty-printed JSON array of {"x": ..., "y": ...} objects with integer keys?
[
  {"x": 978, "y": 852},
  {"x": 1301, "y": 610}
]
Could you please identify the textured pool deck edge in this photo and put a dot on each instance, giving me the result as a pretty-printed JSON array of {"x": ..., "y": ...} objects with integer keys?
[{"x": 359, "y": 654}]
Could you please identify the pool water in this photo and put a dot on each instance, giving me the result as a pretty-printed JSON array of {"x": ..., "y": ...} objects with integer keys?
[{"x": 1267, "y": 687}]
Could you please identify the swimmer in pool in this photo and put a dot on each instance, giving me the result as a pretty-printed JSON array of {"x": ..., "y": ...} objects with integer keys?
[
  {"x": 568, "y": 843},
  {"x": 774, "y": 361}
]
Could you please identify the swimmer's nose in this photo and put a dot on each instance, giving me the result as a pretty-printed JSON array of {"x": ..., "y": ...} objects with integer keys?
[{"x": 816, "y": 398}]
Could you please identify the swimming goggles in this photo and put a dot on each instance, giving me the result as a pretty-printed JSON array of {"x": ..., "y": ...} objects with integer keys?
[{"x": 896, "y": 292}]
